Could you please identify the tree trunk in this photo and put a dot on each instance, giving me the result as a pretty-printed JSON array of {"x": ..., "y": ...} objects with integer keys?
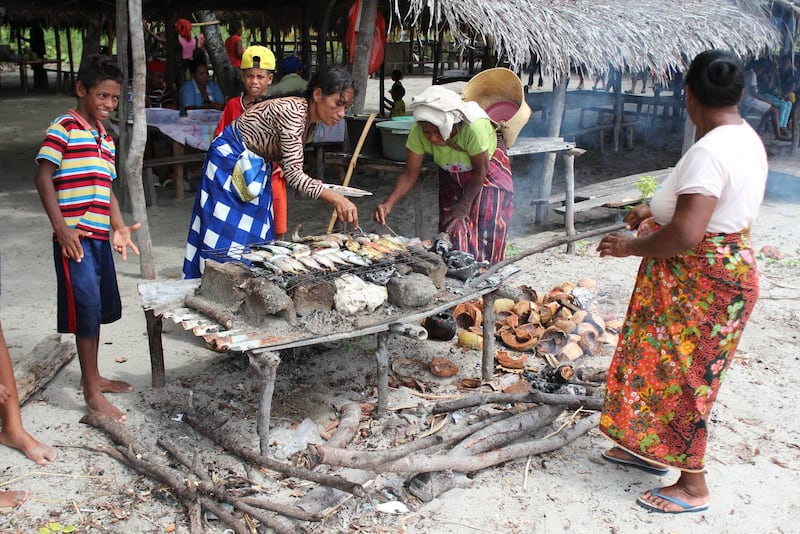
[
  {"x": 91, "y": 41},
  {"x": 322, "y": 35},
  {"x": 360, "y": 68},
  {"x": 220, "y": 61},
  {"x": 133, "y": 162}
]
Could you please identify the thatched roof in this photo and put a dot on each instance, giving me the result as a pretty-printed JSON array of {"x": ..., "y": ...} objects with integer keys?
[{"x": 634, "y": 33}]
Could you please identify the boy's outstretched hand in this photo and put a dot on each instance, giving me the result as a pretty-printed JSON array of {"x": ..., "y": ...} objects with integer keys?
[{"x": 122, "y": 240}]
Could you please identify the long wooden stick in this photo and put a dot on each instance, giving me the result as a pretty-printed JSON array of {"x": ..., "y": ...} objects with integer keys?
[
  {"x": 353, "y": 160},
  {"x": 541, "y": 248}
]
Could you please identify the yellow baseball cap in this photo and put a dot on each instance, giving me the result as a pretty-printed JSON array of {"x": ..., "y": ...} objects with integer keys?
[{"x": 259, "y": 57}]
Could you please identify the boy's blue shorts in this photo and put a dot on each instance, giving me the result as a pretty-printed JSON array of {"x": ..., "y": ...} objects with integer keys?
[{"x": 88, "y": 295}]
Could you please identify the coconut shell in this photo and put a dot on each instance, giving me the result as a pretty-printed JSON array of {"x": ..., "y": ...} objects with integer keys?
[
  {"x": 442, "y": 367},
  {"x": 587, "y": 326},
  {"x": 503, "y": 305},
  {"x": 564, "y": 313},
  {"x": 470, "y": 340},
  {"x": 518, "y": 340},
  {"x": 511, "y": 360},
  {"x": 522, "y": 309},
  {"x": 548, "y": 311},
  {"x": 609, "y": 338},
  {"x": 571, "y": 351},
  {"x": 589, "y": 342},
  {"x": 565, "y": 325},
  {"x": 521, "y": 386},
  {"x": 506, "y": 318},
  {"x": 614, "y": 326},
  {"x": 468, "y": 314},
  {"x": 579, "y": 316},
  {"x": 565, "y": 287},
  {"x": 469, "y": 383}
]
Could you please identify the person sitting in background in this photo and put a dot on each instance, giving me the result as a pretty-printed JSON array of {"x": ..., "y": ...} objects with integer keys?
[
  {"x": 769, "y": 85},
  {"x": 200, "y": 92},
  {"x": 292, "y": 82},
  {"x": 258, "y": 68},
  {"x": 157, "y": 95},
  {"x": 755, "y": 101}
]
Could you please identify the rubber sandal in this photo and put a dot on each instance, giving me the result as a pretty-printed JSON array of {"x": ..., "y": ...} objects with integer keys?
[
  {"x": 636, "y": 462},
  {"x": 685, "y": 507}
]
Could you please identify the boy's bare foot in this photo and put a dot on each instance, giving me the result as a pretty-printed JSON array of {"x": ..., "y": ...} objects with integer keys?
[
  {"x": 98, "y": 404},
  {"x": 113, "y": 386},
  {"x": 9, "y": 499},
  {"x": 36, "y": 451}
]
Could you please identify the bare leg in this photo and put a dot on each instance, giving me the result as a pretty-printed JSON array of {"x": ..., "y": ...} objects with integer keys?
[
  {"x": 93, "y": 383},
  {"x": 690, "y": 488},
  {"x": 10, "y": 499},
  {"x": 13, "y": 434}
]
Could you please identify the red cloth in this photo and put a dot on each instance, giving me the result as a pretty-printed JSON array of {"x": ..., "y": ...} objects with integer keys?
[
  {"x": 231, "y": 46},
  {"x": 157, "y": 66},
  {"x": 378, "y": 37},
  {"x": 184, "y": 28},
  {"x": 233, "y": 109}
]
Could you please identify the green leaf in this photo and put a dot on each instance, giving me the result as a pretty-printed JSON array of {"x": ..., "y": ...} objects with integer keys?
[
  {"x": 44, "y": 530},
  {"x": 69, "y": 528},
  {"x": 55, "y": 526}
]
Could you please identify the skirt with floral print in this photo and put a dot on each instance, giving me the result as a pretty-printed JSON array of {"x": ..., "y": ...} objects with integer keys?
[{"x": 684, "y": 321}]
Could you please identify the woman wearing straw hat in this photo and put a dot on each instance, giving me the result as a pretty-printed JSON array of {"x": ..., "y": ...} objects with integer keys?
[{"x": 476, "y": 190}]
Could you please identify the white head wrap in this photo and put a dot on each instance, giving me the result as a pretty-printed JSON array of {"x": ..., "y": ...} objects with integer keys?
[{"x": 444, "y": 108}]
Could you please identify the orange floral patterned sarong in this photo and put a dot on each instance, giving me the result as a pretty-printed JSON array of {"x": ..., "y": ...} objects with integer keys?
[{"x": 684, "y": 321}]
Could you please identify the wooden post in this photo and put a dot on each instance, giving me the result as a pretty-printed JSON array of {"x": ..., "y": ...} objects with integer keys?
[
  {"x": 135, "y": 155},
  {"x": 548, "y": 165},
  {"x": 487, "y": 362},
  {"x": 266, "y": 365},
  {"x": 689, "y": 134},
  {"x": 619, "y": 110},
  {"x": 154, "y": 328},
  {"x": 71, "y": 59},
  {"x": 382, "y": 358},
  {"x": 569, "y": 200},
  {"x": 58, "y": 59}
]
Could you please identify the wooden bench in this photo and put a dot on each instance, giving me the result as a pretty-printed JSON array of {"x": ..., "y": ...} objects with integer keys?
[{"x": 614, "y": 193}]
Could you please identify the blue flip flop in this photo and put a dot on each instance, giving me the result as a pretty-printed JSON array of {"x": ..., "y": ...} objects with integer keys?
[
  {"x": 634, "y": 461},
  {"x": 686, "y": 507}
]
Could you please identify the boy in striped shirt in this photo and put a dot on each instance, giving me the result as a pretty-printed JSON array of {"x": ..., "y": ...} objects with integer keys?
[{"x": 76, "y": 168}]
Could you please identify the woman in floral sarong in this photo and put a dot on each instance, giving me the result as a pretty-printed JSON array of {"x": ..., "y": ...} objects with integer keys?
[{"x": 694, "y": 292}]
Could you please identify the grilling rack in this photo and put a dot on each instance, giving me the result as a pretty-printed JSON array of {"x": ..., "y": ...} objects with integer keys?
[{"x": 378, "y": 272}]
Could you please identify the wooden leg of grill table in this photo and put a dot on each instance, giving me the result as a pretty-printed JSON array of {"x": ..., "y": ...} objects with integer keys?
[
  {"x": 266, "y": 365},
  {"x": 154, "y": 326},
  {"x": 487, "y": 365},
  {"x": 569, "y": 200},
  {"x": 382, "y": 355}
]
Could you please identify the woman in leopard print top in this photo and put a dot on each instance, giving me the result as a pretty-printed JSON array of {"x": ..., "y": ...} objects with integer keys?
[{"x": 234, "y": 201}]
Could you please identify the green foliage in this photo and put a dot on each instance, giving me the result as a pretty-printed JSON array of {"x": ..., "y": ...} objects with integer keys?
[
  {"x": 647, "y": 186},
  {"x": 511, "y": 250},
  {"x": 57, "y": 528}
]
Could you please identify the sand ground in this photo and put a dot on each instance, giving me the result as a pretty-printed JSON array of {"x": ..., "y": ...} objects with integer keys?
[{"x": 754, "y": 451}]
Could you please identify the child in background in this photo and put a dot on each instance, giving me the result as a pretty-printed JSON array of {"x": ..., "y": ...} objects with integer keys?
[
  {"x": 76, "y": 168},
  {"x": 158, "y": 96},
  {"x": 398, "y": 105},
  {"x": 258, "y": 70}
]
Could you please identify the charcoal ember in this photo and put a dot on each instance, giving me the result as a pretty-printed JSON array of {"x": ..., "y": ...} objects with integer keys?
[
  {"x": 412, "y": 291},
  {"x": 313, "y": 296},
  {"x": 222, "y": 282},
  {"x": 264, "y": 299},
  {"x": 442, "y": 244},
  {"x": 427, "y": 263},
  {"x": 380, "y": 276}
]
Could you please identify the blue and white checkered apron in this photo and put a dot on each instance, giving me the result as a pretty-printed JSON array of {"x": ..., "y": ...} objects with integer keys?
[{"x": 221, "y": 219}]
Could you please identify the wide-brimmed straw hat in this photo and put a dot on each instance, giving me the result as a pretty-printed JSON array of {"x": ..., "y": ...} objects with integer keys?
[{"x": 499, "y": 92}]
